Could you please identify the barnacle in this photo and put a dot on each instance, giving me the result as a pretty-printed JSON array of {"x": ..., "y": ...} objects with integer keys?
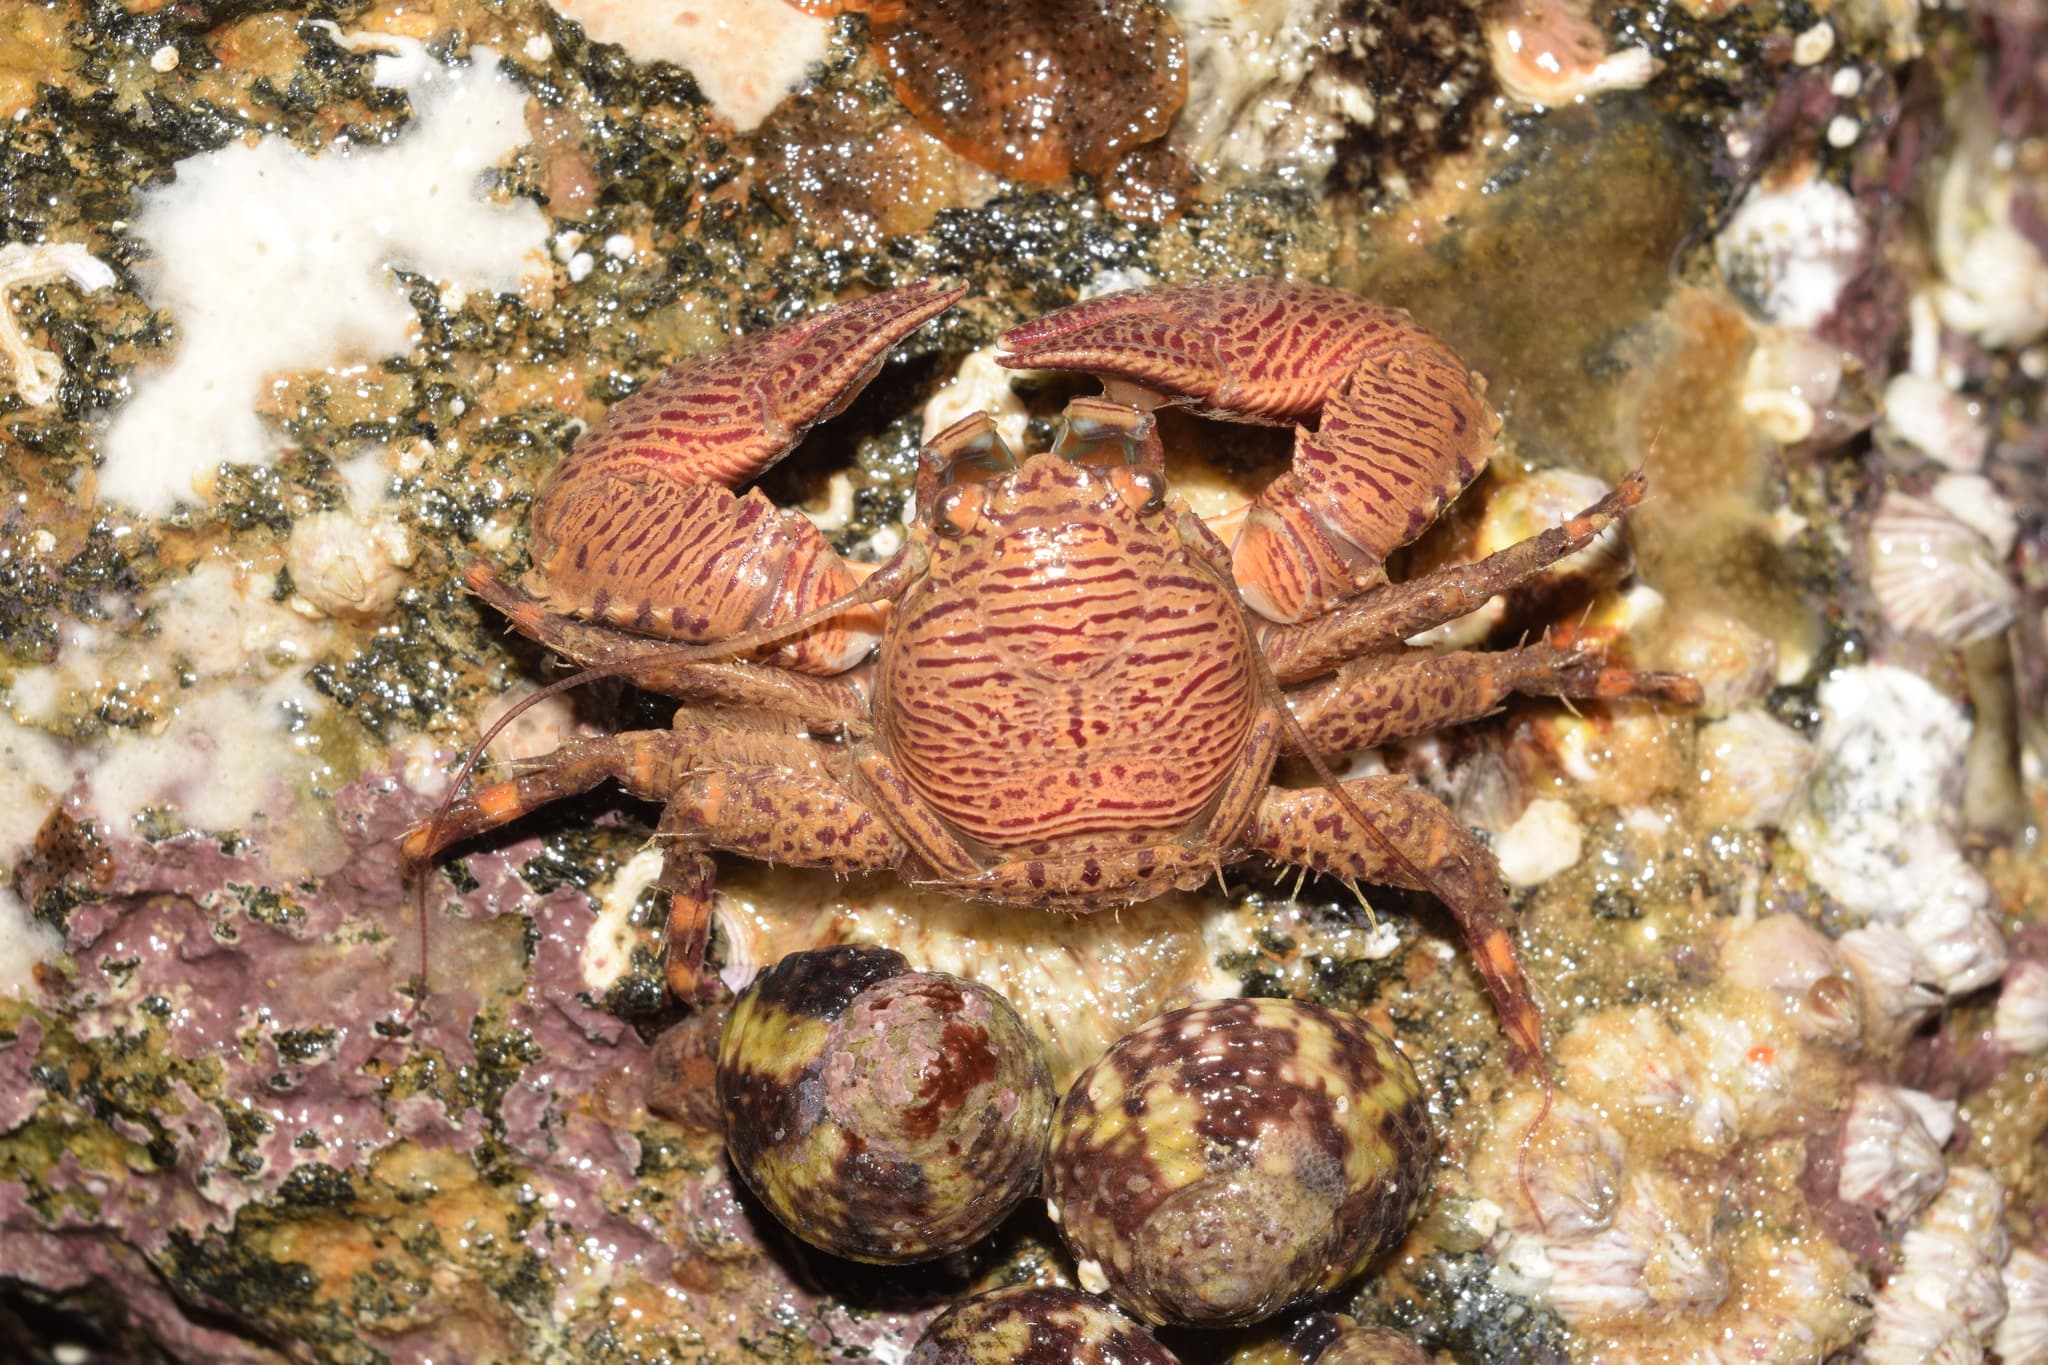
[
  {"x": 1947, "y": 1295},
  {"x": 1035, "y": 89},
  {"x": 2021, "y": 1022},
  {"x": 32, "y": 371},
  {"x": 1568, "y": 1180},
  {"x": 1935, "y": 575},
  {"x": 2022, "y": 1339},
  {"x": 1891, "y": 1149},
  {"x": 1658, "y": 1258}
]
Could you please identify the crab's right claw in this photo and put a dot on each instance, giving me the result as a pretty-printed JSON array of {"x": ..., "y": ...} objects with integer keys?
[{"x": 724, "y": 416}]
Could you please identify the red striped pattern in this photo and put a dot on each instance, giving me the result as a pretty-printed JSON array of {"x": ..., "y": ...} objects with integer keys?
[{"x": 1065, "y": 680}]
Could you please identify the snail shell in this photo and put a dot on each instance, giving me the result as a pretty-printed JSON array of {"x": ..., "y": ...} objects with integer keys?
[
  {"x": 882, "y": 1114},
  {"x": 1372, "y": 1346},
  {"x": 1034, "y": 1325},
  {"x": 1332, "y": 1339},
  {"x": 1226, "y": 1160}
]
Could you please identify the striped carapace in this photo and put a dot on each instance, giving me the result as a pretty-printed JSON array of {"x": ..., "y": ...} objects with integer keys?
[{"x": 1065, "y": 691}]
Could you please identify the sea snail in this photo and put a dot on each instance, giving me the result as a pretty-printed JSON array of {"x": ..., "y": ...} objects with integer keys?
[
  {"x": 882, "y": 1114},
  {"x": 1036, "y": 1325},
  {"x": 1226, "y": 1160}
]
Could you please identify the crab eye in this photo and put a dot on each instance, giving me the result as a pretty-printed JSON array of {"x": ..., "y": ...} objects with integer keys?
[
  {"x": 1143, "y": 490},
  {"x": 957, "y": 509}
]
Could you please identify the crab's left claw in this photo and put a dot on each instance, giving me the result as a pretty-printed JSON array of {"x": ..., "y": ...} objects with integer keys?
[{"x": 1403, "y": 426}]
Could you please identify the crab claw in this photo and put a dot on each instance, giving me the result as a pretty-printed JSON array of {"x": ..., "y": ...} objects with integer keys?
[
  {"x": 1253, "y": 350},
  {"x": 1401, "y": 425},
  {"x": 639, "y": 527},
  {"x": 723, "y": 417}
]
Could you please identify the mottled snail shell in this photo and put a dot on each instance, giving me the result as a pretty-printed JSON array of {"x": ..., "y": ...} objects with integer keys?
[
  {"x": 1036, "y": 1325},
  {"x": 882, "y": 1114},
  {"x": 1332, "y": 1339},
  {"x": 1226, "y": 1160},
  {"x": 1372, "y": 1346}
]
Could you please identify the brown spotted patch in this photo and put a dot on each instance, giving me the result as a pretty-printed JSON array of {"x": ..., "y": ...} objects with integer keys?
[{"x": 1035, "y": 89}]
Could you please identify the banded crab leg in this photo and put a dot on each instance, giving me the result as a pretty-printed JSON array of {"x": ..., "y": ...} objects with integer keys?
[
  {"x": 639, "y": 527},
  {"x": 821, "y": 703},
  {"x": 1401, "y": 425},
  {"x": 767, "y": 791},
  {"x": 1310, "y": 828},
  {"x": 1385, "y": 697}
]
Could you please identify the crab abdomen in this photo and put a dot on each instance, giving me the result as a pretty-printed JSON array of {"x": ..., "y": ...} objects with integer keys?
[{"x": 1098, "y": 705}]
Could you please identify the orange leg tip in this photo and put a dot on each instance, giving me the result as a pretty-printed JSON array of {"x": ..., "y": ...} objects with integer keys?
[
  {"x": 498, "y": 802},
  {"x": 1586, "y": 525},
  {"x": 1614, "y": 683}
]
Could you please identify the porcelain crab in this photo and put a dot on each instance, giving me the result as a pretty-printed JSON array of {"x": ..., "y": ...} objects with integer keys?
[{"x": 1065, "y": 690}]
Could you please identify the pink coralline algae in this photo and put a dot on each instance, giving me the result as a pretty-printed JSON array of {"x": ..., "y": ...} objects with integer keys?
[{"x": 228, "y": 1064}]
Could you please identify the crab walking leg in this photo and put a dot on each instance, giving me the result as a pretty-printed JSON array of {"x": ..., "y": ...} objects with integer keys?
[
  {"x": 1401, "y": 426},
  {"x": 1397, "y": 611},
  {"x": 768, "y": 795},
  {"x": 790, "y": 813},
  {"x": 639, "y": 760},
  {"x": 639, "y": 527},
  {"x": 1309, "y": 828},
  {"x": 818, "y": 702},
  {"x": 1387, "y": 697}
]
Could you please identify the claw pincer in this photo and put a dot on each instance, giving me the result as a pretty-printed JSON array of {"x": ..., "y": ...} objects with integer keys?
[
  {"x": 639, "y": 527},
  {"x": 1403, "y": 425}
]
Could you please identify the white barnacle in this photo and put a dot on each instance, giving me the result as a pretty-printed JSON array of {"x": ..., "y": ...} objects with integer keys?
[
  {"x": 347, "y": 567},
  {"x": 1899, "y": 987},
  {"x": 1752, "y": 770},
  {"x": 1934, "y": 575},
  {"x": 1799, "y": 971},
  {"x": 1734, "y": 662},
  {"x": 1961, "y": 941},
  {"x": 1792, "y": 246},
  {"x": 1657, "y": 1259},
  {"x": 1948, "y": 1295},
  {"x": 2022, "y": 1339},
  {"x": 1922, "y": 412},
  {"x": 1890, "y": 1160},
  {"x": 1633, "y": 1058},
  {"x": 2021, "y": 1020},
  {"x": 1566, "y": 1183}
]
